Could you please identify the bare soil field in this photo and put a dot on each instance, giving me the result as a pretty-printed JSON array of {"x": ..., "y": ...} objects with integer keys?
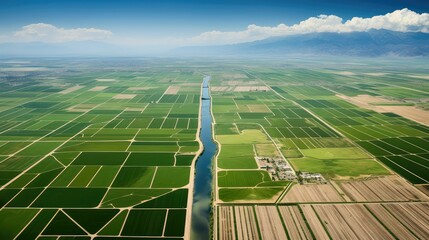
[
  {"x": 172, "y": 90},
  {"x": 294, "y": 222},
  {"x": 251, "y": 88},
  {"x": 350, "y": 221},
  {"x": 314, "y": 223},
  {"x": 246, "y": 223},
  {"x": 410, "y": 112},
  {"x": 390, "y": 222},
  {"x": 389, "y": 188},
  {"x": 71, "y": 89},
  {"x": 226, "y": 223},
  {"x": 414, "y": 216},
  {"x": 221, "y": 89},
  {"x": 270, "y": 224},
  {"x": 124, "y": 96},
  {"x": 424, "y": 188},
  {"x": 312, "y": 193},
  {"x": 97, "y": 88},
  {"x": 340, "y": 191},
  {"x": 239, "y": 82}
]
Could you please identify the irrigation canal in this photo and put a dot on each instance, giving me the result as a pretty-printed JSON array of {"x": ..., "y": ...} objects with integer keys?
[{"x": 201, "y": 206}]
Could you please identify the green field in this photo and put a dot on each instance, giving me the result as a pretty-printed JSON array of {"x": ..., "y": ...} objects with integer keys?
[
  {"x": 113, "y": 157},
  {"x": 109, "y": 144}
]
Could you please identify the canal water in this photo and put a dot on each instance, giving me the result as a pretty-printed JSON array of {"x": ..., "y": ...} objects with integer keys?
[{"x": 201, "y": 206}]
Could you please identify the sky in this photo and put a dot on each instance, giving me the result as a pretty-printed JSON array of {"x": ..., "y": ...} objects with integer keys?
[{"x": 198, "y": 22}]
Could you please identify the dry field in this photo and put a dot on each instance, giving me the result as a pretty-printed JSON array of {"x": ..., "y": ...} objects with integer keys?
[
  {"x": 414, "y": 216},
  {"x": 124, "y": 96},
  {"x": 389, "y": 188},
  {"x": 424, "y": 188},
  {"x": 350, "y": 221},
  {"x": 97, "y": 88},
  {"x": 390, "y": 222},
  {"x": 71, "y": 89},
  {"x": 246, "y": 223},
  {"x": 172, "y": 90},
  {"x": 314, "y": 223},
  {"x": 226, "y": 223},
  {"x": 312, "y": 193},
  {"x": 294, "y": 222},
  {"x": 270, "y": 223},
  {"x": 410, "y": 112},
  {"x": 250, "y": 88},
  {"x": 221, "y": 89},
  {"x": 239, "y": 82}
]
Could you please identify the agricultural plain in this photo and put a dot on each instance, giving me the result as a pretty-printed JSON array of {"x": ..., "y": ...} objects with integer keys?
[
  {"x": 105, "y": 148},
  {"x": 97, "y": 149},
  {"x": 349, "y": 135}
]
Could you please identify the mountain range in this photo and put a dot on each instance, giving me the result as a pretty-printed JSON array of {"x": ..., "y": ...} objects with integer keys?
[{"x": 372, "y": 43}]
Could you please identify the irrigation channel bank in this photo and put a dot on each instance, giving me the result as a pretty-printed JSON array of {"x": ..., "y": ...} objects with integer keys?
[{"x": 201, "y": 206}]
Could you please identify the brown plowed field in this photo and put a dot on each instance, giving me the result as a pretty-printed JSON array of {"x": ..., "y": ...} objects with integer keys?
[
  {"x": 312, "y": 193},
  {"x": 226, "y": 223},
  {"x": 391, "y": 188},
  {"x": 270, "y": 224},
  {"x": 415, "y": 216},
  {"x": 350, "y": 221},
  {"x": 390, "y": 222},
  {"x": 294, "y": 222},
  {"x": 314, "y": 223},
  {"x": 246, "y": 223}
]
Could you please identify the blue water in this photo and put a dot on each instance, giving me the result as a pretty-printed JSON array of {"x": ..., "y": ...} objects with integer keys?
[{"x": 201, "y": 206}]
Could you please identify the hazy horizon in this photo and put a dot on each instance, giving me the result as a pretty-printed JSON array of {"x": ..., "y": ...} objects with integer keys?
[{"x": 144, "y": 27}]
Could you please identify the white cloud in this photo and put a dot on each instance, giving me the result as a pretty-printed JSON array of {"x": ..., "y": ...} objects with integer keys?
[
  {"x": 49, "y": 33},
  {"x": 403, "y": 20}
]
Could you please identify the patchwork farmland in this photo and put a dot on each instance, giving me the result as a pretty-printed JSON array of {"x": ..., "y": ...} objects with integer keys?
[
  {"x": 106, "y": 149},
  {"x": 93, "y": 153},
  {"x": 359, "y": 168}
]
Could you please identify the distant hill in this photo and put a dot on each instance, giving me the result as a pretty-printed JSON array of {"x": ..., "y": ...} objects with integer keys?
[
  {"x": 68, "y": 49},
  {"x": 371, "y": 43}
]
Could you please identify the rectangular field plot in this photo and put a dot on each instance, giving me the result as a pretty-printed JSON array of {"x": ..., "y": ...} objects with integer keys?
[
  {"x": 78, "y": 157},
  {"x": 101, "y": 158},
  {"x": 343, "y": 221},
  {"x": 144, "y": 223},
  {"x": 312, "y": 193},
  {"x": 150, "y": 159},
  {"x": 390, "y": 188}
]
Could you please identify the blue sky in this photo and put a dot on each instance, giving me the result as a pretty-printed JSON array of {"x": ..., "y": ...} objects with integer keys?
[{"x": 179, "y": 19}]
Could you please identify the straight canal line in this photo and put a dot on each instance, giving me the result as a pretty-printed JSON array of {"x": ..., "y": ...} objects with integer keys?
[{"x": 201, "y": 206}]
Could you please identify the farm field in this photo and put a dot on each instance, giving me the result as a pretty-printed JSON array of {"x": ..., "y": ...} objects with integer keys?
[
  {"x": 106, "y": 149},
  {"x": 324, "y": 221},
  {"x": 374, "y": 162},
  {"x": 91, "y": 150}
]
